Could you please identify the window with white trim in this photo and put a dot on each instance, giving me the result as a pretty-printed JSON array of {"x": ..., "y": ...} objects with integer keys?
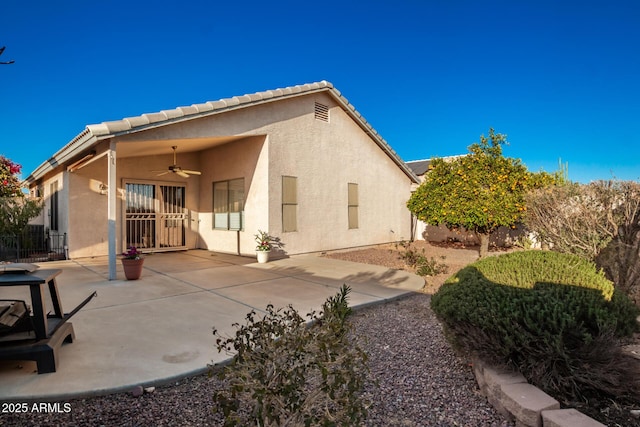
[
  {"x": 228, "y": 204},
  {"x": 289, "y": 203},
  {"x": 352, "y": 205}
]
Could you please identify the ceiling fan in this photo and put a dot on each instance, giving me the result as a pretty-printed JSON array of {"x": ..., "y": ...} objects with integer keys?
[{"x": 174, "y": 168}]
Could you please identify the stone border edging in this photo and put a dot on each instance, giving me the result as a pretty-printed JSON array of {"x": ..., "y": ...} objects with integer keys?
[{"x": 514, "y": 398}]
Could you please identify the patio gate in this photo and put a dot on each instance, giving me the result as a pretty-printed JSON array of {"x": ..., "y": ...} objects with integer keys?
[{"x": 155, "y": 216}]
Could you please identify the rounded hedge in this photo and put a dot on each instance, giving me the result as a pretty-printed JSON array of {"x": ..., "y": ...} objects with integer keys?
[
  {"x": 523, "y": 269},
  {"x": 544, "y": 313}
]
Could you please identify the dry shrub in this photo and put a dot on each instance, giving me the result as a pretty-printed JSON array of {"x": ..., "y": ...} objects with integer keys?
[{"x": 599, "y": 221}]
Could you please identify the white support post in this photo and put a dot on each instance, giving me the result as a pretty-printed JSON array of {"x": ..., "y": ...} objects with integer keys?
[{"x": 111, "y": 208}]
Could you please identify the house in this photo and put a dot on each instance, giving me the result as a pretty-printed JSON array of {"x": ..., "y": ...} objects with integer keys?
[{"x": 300, "y": 162}]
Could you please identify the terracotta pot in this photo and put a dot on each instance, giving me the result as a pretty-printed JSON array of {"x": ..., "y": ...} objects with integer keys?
[
  {"x": 132, "y": 268},
  {"x": 263, "y": 256}
]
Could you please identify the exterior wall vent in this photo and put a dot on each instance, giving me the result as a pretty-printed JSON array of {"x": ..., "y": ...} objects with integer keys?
[{"x": 321, "y": 112}]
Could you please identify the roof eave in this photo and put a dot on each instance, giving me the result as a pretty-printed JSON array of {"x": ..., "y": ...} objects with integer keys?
[
  {"x": 369, "y": 130},
  {"x": 83, "y": 141},
  {"x": 96, "y": 132}
]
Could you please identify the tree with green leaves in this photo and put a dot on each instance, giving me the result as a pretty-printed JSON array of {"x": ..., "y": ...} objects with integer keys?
[
  {"x": 15, "y": 208},
  {"x": 479, "y": 192}
]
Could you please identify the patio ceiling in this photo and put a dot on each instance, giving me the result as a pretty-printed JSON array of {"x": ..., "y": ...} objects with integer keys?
[{"x": 159, "y": 147}]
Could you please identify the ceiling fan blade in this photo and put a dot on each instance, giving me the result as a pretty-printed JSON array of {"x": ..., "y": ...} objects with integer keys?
[
  {"x": 191, "y": 172},
  {"x": 162, "y": 173},
  {"x": 182, "y": 174}
]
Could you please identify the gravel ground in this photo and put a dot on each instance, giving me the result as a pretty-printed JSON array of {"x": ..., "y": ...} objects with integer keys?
[{"x": 420, "y": 381}]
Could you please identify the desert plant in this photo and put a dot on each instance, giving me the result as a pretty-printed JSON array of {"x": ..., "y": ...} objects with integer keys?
[
  {"x": 600, "y": 221},
  {"x": 573, "y": 218},
  {"x": 408, "y": 254},
  {"x": 620, "y": 259},
  {"x": 545, "y": 314},
  {"x": 286, "y": 372},
  {"x": 431, "y": 266},
  {"x": 418, "y": 260}
]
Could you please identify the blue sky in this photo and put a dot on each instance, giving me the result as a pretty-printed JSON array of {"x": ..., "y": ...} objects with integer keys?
[{"x": 560, "y": 78}]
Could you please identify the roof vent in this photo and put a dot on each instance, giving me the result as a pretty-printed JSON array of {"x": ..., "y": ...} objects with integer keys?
[{"x": 321, "y": 112}]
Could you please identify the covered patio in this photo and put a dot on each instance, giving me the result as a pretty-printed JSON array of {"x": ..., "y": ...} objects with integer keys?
[{"x": 159, "y": 328}]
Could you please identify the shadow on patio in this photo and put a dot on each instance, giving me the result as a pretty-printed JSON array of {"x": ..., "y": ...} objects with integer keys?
[{"x": 159, "y": 328}]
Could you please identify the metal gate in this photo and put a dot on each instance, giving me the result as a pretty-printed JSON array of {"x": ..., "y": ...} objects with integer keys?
[{"x": 155, "y": 216}]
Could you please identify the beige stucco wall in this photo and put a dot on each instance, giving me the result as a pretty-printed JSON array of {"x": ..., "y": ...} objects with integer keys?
[
  {"x": 325, "y": 157},
  {"x": 87, "y": 206},
  {"x": 63, "y": 192},
  {"x": 271, "y": 140},
  {"x": 248, "y": 159},
  {"x": 88, "y": 211}
]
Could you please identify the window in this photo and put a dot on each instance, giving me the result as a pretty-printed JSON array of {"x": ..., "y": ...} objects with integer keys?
[
  {"x": 289, "y": 203},
  {"x": 228, "y": 204},
  {"x": 352, "y": 205},
  {"x": 53, "y": 210}
]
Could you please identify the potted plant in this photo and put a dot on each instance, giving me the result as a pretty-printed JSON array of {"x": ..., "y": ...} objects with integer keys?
[
  {"x": 132, "y": 263},
  {"x": 264, "y": 246}
]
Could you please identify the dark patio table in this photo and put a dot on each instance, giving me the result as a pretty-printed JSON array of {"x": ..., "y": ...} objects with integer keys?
[
  {"x": 36, "y": 282},
  {"x": 50, "y": 329}
]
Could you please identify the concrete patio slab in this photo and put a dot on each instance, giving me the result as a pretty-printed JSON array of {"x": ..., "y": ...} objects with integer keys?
[
  {"x": 159, "y": 328},
  {"x": 224, "y": 276}
]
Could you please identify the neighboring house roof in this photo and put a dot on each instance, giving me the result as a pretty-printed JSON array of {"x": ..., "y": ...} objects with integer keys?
[
  {"x": 420, "y": 167},
  {"x": 105, "y": 130}
]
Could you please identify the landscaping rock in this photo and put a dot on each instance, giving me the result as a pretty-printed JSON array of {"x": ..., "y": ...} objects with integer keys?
[
  {"x": 632, "y": 350},
  {"x": 568, "y": 418},
  {"x": 526, "y": 402},
  {"x": 137, "y": 391},
  {"x": 495, "y": 378}
]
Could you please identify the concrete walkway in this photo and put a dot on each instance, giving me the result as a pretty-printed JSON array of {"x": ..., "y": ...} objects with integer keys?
[{"x": 159, "y": 328}]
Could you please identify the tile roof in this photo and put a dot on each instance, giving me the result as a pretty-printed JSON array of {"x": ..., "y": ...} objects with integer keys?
[
  {"x": 144, "y": 121},
  {"x": 97, "y": 132},
  {"x": 419, "y": 167}
]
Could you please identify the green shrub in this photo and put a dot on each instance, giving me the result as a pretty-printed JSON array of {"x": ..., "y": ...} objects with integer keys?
[
  {"x": 424, "y": 266},
  {"x": 523, "y": 269},
  {"x": 287, "y": 372},
  {"x": 544, "y": 314}
]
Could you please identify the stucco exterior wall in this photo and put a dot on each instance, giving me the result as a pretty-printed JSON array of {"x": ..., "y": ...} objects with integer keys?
[
  {"x": 271, "y": 140},
  {"x": 87, "y": 206},
  {"x": 88, "y": 211},
  {"x": 248, "y": 159},
  {"x": 325, "y": 157},
  {"x": 63, "y": 194}
]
